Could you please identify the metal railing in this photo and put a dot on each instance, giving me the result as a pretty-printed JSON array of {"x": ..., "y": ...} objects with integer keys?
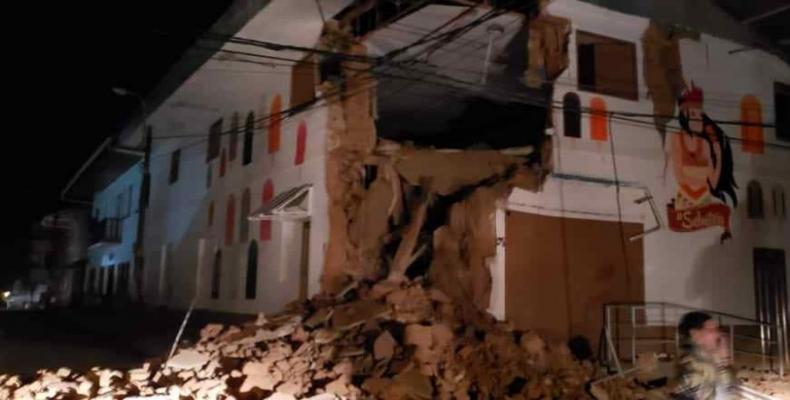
[
  {"x": 658, "y": 315},
  {"x": 107, "y": 230}
]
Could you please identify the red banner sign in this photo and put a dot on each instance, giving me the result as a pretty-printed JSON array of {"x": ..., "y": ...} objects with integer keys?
[{"x": 696, "y": 218}]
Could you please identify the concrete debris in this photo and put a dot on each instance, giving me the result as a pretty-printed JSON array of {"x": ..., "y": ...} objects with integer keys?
[
  {"x": 354, "y": 314},
  {"x": 548, "y": 49},
  {"x": 627, "y": 388},
  {"x": 411, "y": 384},
  {"x": 281, "y": 396},
  {"x": 663, "y": 71},
  {"x": 395, "y": 342},
  {"x": 188, "y": 359},
  {"x": 210, "y": 331},
  {"x": 403, "y": 256},
  {"x": 449, "y": 172},
  {"x": 765, "y": 381},
  {"x": 384, "y": 346}
]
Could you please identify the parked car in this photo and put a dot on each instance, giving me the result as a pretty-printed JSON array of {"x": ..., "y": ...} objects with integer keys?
[{"x": 23, "y": 298}]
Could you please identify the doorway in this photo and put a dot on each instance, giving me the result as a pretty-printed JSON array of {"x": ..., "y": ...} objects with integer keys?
[
  {"x": 770, "y": 290},
  {"x": 560, "y": 272}
]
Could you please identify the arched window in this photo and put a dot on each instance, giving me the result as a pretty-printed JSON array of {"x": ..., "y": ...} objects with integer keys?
[
  {"x": 755, "y": 200},
  {"x": 275, "y": 124},
  {"x": 252, "y": 271},
  {"x": 210, "y": 214},
  {"x": 223, "y": 164},
  {"x": 571, "y": 115},
  {"x": 779, "y": 202},
  {"x": 216, "y": 275},
  {"x": 751, "y": 135},
  {"x": 234, "y": 136},
  {"x": 214, "y": 140},
  {"x": 249, "y": 132},
  {"x": 266, "y": 196},
  {"x": 301, "y": 143},
  {"x": 244, "y": 223},
  {"x": 598, "y": 129},
  {"x": 230, "y": 220}
]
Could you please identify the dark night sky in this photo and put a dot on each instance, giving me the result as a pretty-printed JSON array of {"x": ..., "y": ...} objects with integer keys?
[{"x": 63, "y": 64}]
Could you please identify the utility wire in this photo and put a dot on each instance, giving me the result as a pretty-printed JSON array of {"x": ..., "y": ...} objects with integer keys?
[
  {"x": 388, "y": 56},
  {"x": 617, "y": 115},
  {"x": 626, "y": 113},
  {"x": 448, "y": 37},
  {"x": 311, "y": 103}
]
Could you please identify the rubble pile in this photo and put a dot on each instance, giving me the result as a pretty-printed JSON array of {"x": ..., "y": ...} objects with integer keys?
[
  {"x": 627, "y": 388},
  {"x": 765, "y": 381},
  {"x": 385, "y": 340}
]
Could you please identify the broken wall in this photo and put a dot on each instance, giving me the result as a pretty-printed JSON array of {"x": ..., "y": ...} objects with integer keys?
[
  {"x": 547, "y": 49},
  {"x": 663, "y": 70},
  {"x": 351, "y": 138},
  {"x": 394, "y": 206}
]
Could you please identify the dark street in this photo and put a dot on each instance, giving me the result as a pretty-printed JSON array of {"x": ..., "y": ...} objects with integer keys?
[{"x": 83, "y": 338}]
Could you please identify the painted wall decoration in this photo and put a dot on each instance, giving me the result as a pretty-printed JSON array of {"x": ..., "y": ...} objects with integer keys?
[
  {"x": 223, "y": 164},
  {"x": 598, "y": 129},
  {"x": 571, "y": 115},
  {"x": 230, "y": 220},
  {"x": 266, "y": 195},
  {"x": 244, "y": 223},
  {"x": 301, "y": 143},
  {"x": 249, "y": 131},
  {"x": 275, "y": 124},
  {"x": 234, "y": 136},
  {"x": 702, "y": 163},
  {"x": 751, "y": 130}
]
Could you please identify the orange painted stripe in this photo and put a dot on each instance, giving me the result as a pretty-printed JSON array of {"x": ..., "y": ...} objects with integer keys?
[
  {"x": 598, "y": 127},
  {"x": 275, "y": 124},
  {"x": 751, "y": 113}
]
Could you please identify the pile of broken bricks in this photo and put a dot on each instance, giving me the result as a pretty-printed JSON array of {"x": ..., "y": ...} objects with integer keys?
[
  {"x": 380, "y": 340},
  {"x": 384, "y": 340},
  {"x": 765, "y": 381}
]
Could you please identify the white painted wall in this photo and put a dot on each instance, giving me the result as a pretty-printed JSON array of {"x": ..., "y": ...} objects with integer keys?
[
  {"x": 178, "y": 212},
  {"x": 685, "y": 268}
]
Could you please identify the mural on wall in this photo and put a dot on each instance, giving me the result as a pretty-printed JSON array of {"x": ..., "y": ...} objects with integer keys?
[{"x": 703, "y": 167}]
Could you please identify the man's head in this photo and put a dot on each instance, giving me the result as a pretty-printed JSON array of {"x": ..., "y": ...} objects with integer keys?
[{"x": 701, "y": 330}]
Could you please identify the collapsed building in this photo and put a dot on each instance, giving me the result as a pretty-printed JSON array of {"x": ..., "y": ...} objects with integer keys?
[{"x": 527, "y": 160}]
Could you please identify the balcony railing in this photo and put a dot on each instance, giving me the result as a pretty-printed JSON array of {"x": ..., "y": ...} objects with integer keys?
[{"x": 106, "y": 231}]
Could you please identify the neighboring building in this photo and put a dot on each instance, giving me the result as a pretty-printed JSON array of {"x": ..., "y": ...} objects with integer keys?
[
  {"x": 114, "y": 223},
  {"x": 68, "y": 232},
  {"x": 109, "y": 183},
  {"x": 58, "y": 255},
  {"x": 634, "y": 209}
]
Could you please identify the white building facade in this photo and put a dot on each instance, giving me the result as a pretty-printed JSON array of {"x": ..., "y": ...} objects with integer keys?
[{"x": 601, "y": 230}]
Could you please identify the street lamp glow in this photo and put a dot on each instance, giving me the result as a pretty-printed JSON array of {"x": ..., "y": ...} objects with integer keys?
[{"x": 121, "y": 91}]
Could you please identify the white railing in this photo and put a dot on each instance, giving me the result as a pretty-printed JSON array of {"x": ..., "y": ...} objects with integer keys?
[{"x": 772, "y": 339}]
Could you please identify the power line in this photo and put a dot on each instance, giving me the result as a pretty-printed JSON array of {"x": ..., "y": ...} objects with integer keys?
[
  {"x": 568, "y": 82},
  {"x": 617, "y": 115},
  {"x": 550, "y": 82},
  {"x": 448, "y": 38},
  {"x": 320, "y": 11},
  {"x": 301, "y": 107}
]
